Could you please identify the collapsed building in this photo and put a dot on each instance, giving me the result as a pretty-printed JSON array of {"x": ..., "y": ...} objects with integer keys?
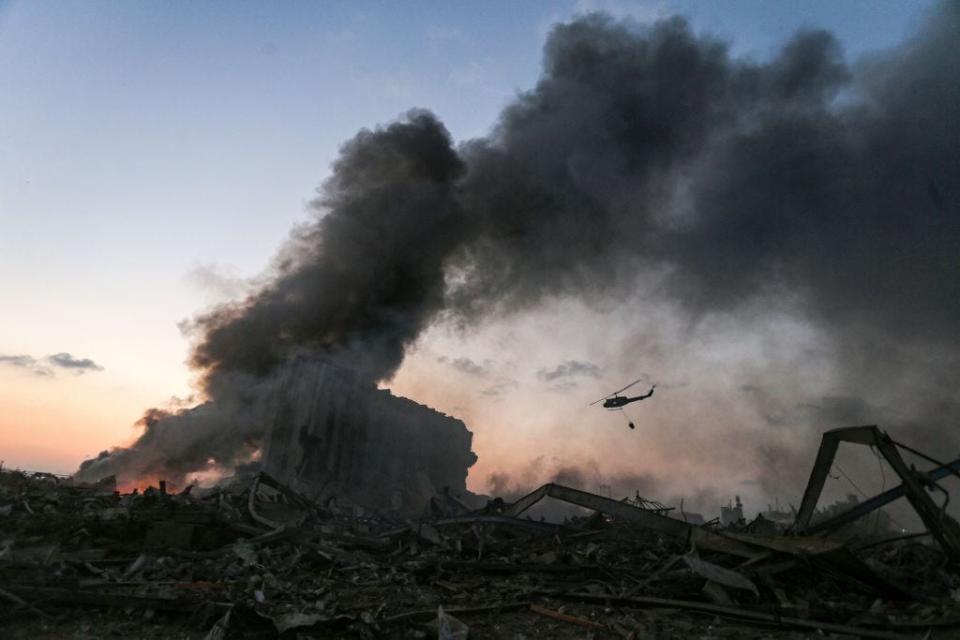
[
  {"x": 314, "y": 424},
  {"x": 336, "y": 435}
]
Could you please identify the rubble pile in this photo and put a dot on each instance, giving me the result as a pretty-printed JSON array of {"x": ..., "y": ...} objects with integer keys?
[{"x": 253, "y": 558}]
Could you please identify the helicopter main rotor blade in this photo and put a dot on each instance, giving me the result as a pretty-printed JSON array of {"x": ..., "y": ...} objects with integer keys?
[
  {"x": 626, "y": 387},
  {"x": 615, "y": 392}
]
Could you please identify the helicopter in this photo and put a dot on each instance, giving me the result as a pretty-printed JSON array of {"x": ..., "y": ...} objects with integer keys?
[{"x": 617, "y": 401}]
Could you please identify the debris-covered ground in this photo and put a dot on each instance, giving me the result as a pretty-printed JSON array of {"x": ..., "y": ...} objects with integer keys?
[{"x": 253, "y": 559}]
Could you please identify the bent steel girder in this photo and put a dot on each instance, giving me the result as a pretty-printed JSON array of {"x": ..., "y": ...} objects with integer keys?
[
  {"x": 879, "y": 500},
  {"x": 943, "y": 528},
  {"x": 629, "y": 513}
]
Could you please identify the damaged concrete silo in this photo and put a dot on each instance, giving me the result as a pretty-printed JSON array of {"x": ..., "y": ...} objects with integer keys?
[{"x": 335, "y": 434}]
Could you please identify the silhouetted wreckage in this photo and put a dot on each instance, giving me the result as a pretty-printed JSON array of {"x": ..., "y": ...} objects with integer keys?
[{"x": 253, "y": 558}]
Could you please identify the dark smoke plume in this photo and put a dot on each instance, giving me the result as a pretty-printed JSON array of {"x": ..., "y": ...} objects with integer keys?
[
  {"x": 647, "y": 150},
  {"x": 653, "y": 148},
  {"x": 368, "y": 274}
]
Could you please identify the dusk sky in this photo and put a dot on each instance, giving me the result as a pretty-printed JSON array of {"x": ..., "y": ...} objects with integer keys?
[{"x": 155, "y": 156}]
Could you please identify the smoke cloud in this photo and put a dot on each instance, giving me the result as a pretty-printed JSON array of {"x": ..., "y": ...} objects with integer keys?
[
  {"x": 368, "y": 274},
  {"x": 648, "y": 156}
]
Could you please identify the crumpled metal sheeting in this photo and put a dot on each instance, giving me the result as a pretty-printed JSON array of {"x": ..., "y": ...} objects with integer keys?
[{"x": 202, "y": 565}]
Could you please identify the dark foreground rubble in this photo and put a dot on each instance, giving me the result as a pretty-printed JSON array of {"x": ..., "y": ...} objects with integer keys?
[{"x": 254, "y": 559}]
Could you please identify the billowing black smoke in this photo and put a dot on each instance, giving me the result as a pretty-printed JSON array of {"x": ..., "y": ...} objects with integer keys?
[
  {"x": 368, "y": 274},
  {"x": 643, "y": 149},
  {"x": 653, "y": 148}
]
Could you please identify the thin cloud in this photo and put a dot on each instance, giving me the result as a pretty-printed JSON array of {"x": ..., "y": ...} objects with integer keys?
[
  {"x": 569, "y": 369},
  {"x": 68, "y": 361},
  {"x": 27, "y": 363},
  {"x": 466, "y": 365},
  {"x": 500, "y": 388},
  {"x": 45, "y": 367}
]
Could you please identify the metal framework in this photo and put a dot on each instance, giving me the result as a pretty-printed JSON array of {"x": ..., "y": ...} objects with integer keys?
[
  {"x": 941, "y": 526},
  {"x": 629, "y": 513}
]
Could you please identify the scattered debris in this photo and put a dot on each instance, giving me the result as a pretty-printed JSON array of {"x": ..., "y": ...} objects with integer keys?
[
  {"x": 253, "y": 558},
  {"x": 563, "y": 617}
]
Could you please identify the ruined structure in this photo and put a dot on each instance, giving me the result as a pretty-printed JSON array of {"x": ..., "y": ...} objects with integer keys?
[{"x": 334, "y": 434}]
